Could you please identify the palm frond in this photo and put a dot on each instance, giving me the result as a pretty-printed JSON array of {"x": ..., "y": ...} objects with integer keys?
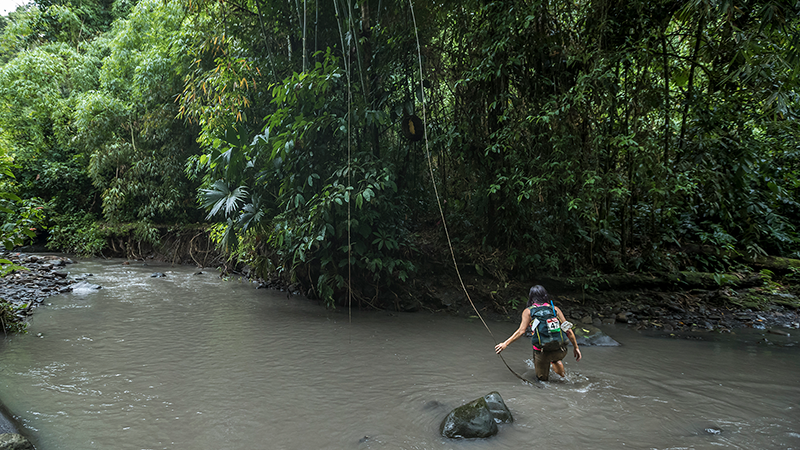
[{"x": 221, "y": 198}]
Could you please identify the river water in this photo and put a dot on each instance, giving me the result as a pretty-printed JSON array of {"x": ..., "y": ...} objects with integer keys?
[{"x": 198, "y": 362}]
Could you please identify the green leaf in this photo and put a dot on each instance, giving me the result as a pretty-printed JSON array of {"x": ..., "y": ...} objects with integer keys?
[
  {"x": 368, "y": 194},
  {"x": 774, "y": 188}
]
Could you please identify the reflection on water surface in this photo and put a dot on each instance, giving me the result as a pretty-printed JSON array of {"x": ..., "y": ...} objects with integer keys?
[{"x": 194, "y": 362}]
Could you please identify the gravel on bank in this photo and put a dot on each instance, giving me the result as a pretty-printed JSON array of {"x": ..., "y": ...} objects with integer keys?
[{"x": 42, "y": 276}]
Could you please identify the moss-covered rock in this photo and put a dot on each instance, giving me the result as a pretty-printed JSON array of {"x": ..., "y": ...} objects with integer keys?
[
  {"x": 476, "y": 419},
  {"x": 13, "y": 441}
]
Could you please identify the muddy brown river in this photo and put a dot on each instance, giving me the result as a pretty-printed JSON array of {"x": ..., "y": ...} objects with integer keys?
[{"x": 197, "y": 362}]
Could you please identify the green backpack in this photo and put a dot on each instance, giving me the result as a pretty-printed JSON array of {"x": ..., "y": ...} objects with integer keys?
[{"x": 546, "y": 331}]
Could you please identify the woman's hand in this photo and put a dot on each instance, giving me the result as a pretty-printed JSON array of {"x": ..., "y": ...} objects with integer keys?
[
  {"x": 500, "y": 347},
  {"x": 577, "y": 354}
]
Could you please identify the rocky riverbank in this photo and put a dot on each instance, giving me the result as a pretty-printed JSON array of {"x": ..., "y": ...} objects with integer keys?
[
  {"x": 691, "y": 314},
  {"x": 669, "y": 309},
  {"x": 23, "y": 289}
]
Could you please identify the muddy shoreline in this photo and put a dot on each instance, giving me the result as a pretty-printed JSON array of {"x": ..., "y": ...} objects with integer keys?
[{"x": 438, "y": 291}]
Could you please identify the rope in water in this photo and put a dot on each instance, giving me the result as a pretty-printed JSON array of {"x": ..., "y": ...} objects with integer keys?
[{"x": 438, "y": 201}]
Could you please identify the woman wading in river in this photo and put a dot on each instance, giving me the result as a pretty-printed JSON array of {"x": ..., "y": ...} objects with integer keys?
[{"x": 548, "y": 328}]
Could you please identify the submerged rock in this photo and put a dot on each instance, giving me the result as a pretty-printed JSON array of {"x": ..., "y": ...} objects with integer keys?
[
  {"x": 477, "y": 419},
  {"x": 83, "y": 287},
  {"x": 433, "y": 404},
  {"x": 778, "y": 332}
]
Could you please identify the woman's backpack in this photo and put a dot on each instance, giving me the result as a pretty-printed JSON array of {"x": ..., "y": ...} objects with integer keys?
[{"x": 546, "y": 331}]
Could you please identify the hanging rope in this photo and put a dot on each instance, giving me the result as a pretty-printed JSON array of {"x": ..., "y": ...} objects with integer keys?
[
  {"x": 349, "y": 243},
  {"x": 438, "y": 201},
  {"x": 346, "y": 58}
]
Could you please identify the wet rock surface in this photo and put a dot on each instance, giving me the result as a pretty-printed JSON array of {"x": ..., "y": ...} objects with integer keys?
[
  {"x": 477, "y": 419},
  {"x": 591, "y": 335},
  {"x": 40, "y": 277},
  {"x": 45, "y": 276},
  {"x": 82, "y": 287},
  {"x": 13, "y": 441},
  {"x": 7, "y": 425}
]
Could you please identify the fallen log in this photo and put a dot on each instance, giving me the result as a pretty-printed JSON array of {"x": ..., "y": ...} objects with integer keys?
[
  {"x": 667, "y": 281},
  {"x": 776, "y": 264}
]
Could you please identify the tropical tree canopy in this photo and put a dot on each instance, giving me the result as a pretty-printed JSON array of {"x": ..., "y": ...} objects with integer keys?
[{"x": 320, "y": 139}]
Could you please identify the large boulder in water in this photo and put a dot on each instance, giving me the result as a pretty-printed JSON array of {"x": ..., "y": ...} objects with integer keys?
[
  {"x": 13, "y": 441},
  {"x": 587, "y": 334},
  {"x": 477, "y": 419},
  {"x": 498, "y": 408}
]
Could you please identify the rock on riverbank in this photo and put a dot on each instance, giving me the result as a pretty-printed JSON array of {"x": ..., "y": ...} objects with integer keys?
[
  {"x": 697, "y": 311},
  {"x": 13, "y": 441},
  {"x": 42, "y": 276}
]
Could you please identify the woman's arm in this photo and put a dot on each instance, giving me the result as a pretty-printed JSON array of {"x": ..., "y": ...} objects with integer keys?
[
  {"x": 570, "y": 335},
  {"x": 523, "y": 325}
]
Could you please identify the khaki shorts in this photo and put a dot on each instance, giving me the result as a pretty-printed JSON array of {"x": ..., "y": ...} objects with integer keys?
[{"x": 542, "y": 360}]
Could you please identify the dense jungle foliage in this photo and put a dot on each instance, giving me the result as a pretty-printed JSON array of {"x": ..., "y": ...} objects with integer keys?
[{"x": 312, "y": 137}]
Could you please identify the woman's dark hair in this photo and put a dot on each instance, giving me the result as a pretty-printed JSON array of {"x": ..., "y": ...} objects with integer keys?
[{"x": 538, "y": 294}]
